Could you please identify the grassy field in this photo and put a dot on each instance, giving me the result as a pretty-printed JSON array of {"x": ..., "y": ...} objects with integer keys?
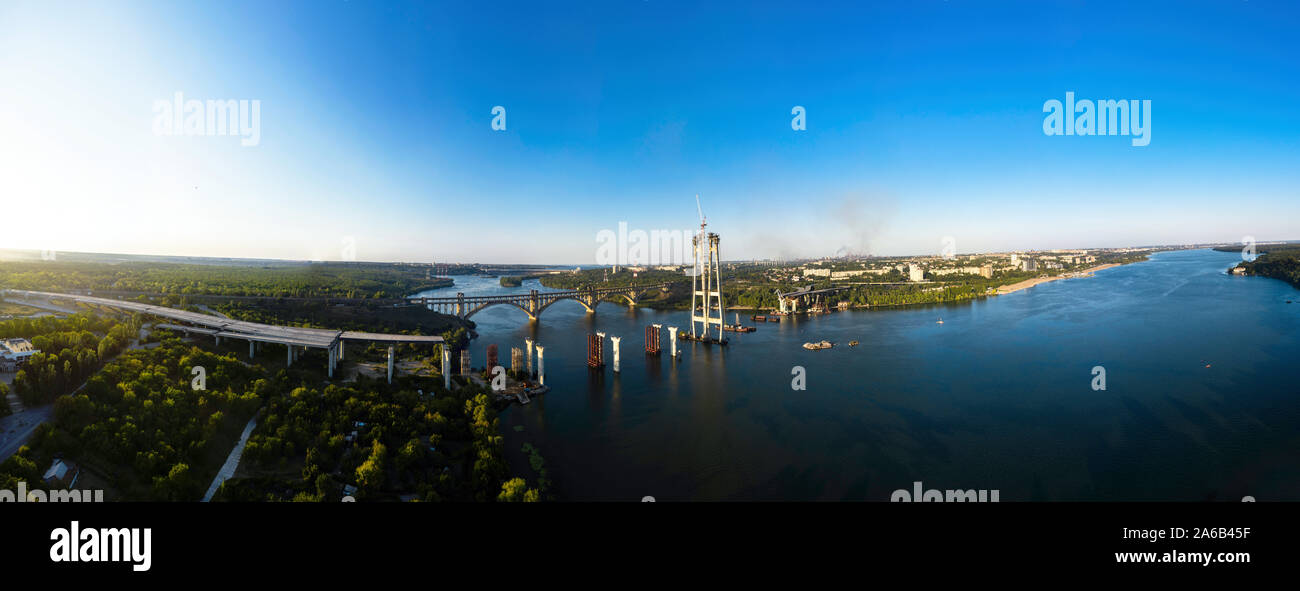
[{"x": 12, "y": 309}]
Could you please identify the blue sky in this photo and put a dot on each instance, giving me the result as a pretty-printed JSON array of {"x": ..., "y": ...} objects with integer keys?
[{"x": 924, "y": 120}]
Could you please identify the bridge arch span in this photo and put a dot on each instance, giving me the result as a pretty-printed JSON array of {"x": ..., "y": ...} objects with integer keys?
[
  {"x": 591, "y": 309},
  {"x": 486, "y": 305}
]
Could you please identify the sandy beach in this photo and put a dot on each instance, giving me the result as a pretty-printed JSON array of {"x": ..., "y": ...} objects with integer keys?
[{"x": 1028, "y": 283}]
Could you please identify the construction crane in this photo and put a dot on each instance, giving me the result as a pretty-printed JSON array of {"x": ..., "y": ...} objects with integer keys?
[{"x": 703, "y": 221}]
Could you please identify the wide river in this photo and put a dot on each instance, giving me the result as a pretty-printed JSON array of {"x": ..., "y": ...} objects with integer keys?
[{"x": 1201, "y": 398}]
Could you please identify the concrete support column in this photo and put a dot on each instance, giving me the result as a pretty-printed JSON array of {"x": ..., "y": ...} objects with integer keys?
[
  {"x": 252, "y": 349},
  {"x": 615, "y": 341},
  {"x": 390, "y": 364},
  {"x": 340, "y": 350},
  {"x": 529, "y": 342},
  {"x": 288, "y": 356},
  {"x": 446, "y": 367},
  {"x": 218, "y": 337},
  {"x": 331, "y": 361},
  {"x": 672, "y": 336},
  {"x": 541, "y": 367}
]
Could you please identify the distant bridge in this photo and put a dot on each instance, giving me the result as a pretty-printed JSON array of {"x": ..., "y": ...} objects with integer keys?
[
  {"x": 790, "y": 301},
  {"x": 534, "y": 302}
]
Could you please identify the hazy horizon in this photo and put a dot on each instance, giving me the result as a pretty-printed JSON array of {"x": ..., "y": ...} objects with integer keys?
[{"x": 34, "y": 254}]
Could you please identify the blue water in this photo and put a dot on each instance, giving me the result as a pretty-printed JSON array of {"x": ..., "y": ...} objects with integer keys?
[{"x": 1201, "y": 398}]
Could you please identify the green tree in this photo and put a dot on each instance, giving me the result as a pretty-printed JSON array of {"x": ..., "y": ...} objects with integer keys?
[
  {"x": 370, "y": 475},
  {"x": 512, "y": 491}
]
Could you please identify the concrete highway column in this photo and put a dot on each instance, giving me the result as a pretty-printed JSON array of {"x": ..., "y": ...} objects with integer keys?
[
  {"x": 616, "y": 340},
  {"x": 289, "y": 355},
  {"x": 252, "y": 352},
  {"x": 218, "y": 340},
  {"x": 529, "y": 342},
  {"x": 390, "y": 364},
  {"x": 340, "y": 350},
  {"x": 331, "y": 360},
  {"x": 672, "y": 336},
  {"x": 541, "y": 367},
  {"x": 446, "y": 367}
]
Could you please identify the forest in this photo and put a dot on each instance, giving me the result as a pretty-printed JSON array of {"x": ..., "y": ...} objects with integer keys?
[
  {"x": 142, "y": 427},
  {"x": 336, "y": 280},
  {"x": 390, "y": 443},
  {"x": 1279, "y": 261},
  {"x": 71, "y": 350}
]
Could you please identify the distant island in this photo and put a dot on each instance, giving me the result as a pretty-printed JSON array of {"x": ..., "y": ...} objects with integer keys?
[
  {"x": 516, "y": 280},
  {"x": 1279, "y": 261}
]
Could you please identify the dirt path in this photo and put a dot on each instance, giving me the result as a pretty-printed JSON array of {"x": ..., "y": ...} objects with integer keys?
[{"x": 232, "y": 461}]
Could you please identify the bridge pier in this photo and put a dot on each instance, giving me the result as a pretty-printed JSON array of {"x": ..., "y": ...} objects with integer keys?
[
  {"x": 289, "y": 355},
  {"x": 541, "y": 367},
  {"x": 529, "y": 342},
  {"x": 446, "y": 367},
  {"x": 390, "y": 364},
  {"x": 252, "y": 349},
  {"x": 331, "y": 361},
  {"x": 340, "y": 350},
  {"x": 615, "y": 340},
  {"x": 672, "y": 336}
]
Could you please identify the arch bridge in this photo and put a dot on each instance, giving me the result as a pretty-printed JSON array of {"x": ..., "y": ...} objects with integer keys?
[{"x": 534, "y": 302}]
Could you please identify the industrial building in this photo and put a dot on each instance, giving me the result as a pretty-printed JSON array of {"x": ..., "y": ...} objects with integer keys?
[{"x": 14, "y": 353}]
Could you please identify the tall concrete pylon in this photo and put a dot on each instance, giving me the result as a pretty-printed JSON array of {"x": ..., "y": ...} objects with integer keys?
[
  {"x": 672, "y": 336},
  {"x": 706, "y": 285},
  {"x": 390, "y": 364},
  {"x": 446, "y": 367},
  {"x": 541, "y": 367},
  {"x": 615, "y": 340}
]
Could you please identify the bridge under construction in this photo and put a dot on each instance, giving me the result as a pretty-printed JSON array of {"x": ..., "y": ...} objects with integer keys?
[{"x": 219, "y": 327}]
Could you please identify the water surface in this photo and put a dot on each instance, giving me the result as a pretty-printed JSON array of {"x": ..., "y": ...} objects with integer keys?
[{"x": 1200, "y": 402}]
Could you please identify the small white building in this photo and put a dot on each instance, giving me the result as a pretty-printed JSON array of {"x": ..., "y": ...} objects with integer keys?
[{"x": 60, "y": 473}]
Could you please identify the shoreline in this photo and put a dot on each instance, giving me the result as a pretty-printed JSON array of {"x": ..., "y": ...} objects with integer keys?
[{"x": 1028, "y": 283}]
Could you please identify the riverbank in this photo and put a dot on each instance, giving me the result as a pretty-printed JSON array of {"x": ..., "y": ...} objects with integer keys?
[{"x": 1028, "y": 283}]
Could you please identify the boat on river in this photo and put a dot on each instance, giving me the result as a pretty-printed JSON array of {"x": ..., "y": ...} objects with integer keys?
[{"x": 818, "y": 346}]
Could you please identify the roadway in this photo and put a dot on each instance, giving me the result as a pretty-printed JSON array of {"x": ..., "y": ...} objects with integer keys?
[{"x": 221, "y": 326}]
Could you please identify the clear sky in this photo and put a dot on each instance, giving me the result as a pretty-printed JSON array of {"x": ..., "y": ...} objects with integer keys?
[{"x": 924, "y": 119}]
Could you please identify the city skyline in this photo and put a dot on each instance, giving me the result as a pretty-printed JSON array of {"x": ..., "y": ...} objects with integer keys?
[{"x": 622, "y": 113}]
